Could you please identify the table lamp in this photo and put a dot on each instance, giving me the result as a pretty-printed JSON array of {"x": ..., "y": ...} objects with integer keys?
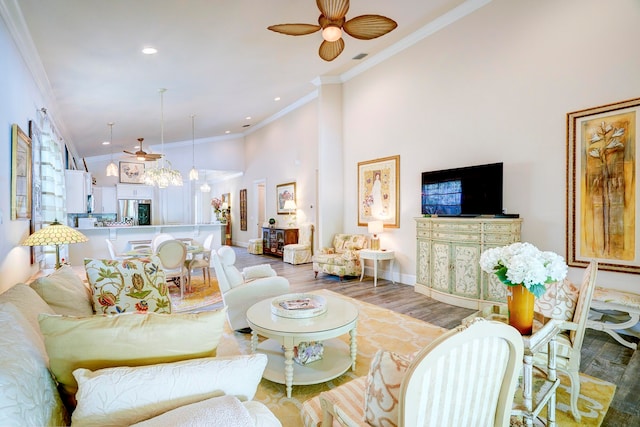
[
  {"x": 375, "y": 228},
  {"x": 290, "y": 205},
  {"x": 55, "y": 234}
]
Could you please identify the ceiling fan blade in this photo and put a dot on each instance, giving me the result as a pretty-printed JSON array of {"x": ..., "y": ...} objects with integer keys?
[
  {"x": 367, "y": 27},
  {"x": 333, "y": 9},
  {"x": 330, "y": 50},
  {"x": 150, "y": 157},
  {"x": 128, "y": 152},
  {"x": 294, "y": 29}
]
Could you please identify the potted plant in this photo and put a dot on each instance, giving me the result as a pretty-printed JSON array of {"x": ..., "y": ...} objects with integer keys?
[
  {"x": 272, "y": 222},
  {"x": 525, "y": 270}
]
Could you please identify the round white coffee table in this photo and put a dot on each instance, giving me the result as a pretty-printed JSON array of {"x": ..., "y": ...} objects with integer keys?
[{"x": 341, "y": 317}]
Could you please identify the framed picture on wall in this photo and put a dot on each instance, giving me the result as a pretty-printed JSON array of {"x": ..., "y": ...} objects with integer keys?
[
  {"x": 285, "y": 192},
  {"x": 20, "y": 174},
  {"x": 243, "y": 209},
  {"x": 379, "y": 191},
  {"x": 131, "y": 172},
  {"x": 603, "y": 214}
]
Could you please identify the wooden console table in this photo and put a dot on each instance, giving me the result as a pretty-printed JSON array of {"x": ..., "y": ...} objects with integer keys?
[{"x": 275, "y": 239}]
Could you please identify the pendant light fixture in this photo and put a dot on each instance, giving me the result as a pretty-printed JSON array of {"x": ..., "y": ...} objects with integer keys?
[
  {"x": 112, "y": 168},
  {"x": 205, "y": 188},
  {"x": 162, "y": 175},
  {"x": 193, "y": 173}
]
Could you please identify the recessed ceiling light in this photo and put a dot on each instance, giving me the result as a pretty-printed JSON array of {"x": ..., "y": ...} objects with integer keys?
[
  {"x": 149, "y": 50},
  {"x": 106, "y": 143},
  {"x": 248, "y": 117},
  {"x": 277, "y": 98},
  {"x": 227, "y": 131}
]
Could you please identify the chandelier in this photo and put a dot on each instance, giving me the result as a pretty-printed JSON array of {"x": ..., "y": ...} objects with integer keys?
[{"x": 162, "y": 174}]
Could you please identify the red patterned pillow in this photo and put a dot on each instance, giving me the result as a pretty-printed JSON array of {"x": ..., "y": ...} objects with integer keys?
[{"x": 383, "y": 388}]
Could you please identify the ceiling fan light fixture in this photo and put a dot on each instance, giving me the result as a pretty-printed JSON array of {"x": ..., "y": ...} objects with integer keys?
[{"x": 331, "y": 33}]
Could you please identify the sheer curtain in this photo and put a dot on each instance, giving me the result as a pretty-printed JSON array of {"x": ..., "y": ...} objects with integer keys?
[{"x": 49, "y": 186}]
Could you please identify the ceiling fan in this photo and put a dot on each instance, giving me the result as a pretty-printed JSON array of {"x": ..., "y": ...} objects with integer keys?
[
  {"x": 143, "y": 155},
  {"x": 332, "y": 22}
]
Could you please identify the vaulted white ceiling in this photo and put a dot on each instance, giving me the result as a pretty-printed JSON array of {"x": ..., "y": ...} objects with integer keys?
[{"x": 216, "y": 58}]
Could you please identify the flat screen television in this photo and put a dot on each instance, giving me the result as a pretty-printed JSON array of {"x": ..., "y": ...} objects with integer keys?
[{"x": 468, "y": 191}]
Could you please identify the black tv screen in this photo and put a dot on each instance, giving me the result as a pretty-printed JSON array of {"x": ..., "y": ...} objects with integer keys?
[{"x": 467, "y": 191}]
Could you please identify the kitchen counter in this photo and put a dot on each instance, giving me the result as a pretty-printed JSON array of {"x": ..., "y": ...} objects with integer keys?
[{"x": 96, "y": 247}]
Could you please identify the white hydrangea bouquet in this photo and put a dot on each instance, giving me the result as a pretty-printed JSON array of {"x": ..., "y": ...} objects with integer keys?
[{"x": 524, "y": 264}]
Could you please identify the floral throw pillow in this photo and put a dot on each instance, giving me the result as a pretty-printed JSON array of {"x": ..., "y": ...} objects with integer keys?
[
  {"x": 383, "y": 388},
  {"x": 130, "y": 285}
]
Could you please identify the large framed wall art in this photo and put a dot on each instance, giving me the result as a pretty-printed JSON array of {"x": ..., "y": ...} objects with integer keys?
[
  {"x": 603, "y": 215},
  {"x": 379, "y": 191},
  {"x": 131, "y": 172},
  {"x": 285, "y": 192},
  {"x": 20, "y": 174}
]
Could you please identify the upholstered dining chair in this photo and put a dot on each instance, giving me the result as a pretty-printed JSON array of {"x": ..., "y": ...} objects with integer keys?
[
  {"x": 172, "y": 254},
  {"x": 301, "y": 252},
  {"x": 575, "y": 316},
  {"x": 112, "y": 251},
  {"x": 466, "y": 377},
  {"x": 159, "y": 238},
  {"x": 202, "y": 260}
]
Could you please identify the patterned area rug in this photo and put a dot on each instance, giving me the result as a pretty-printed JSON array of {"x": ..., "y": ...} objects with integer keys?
[
  {"x": 201, "y": 295},
  {"x": 382, "y": 328}
]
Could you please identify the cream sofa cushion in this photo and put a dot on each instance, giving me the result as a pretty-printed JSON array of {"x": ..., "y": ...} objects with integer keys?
[
  {"x": 65, "y": 292},
  {"x": 127, "y": 339},
  {"x": 28, "y": 302},
  {"x": 125, "y": 395},
  {"x": 28, "y": 394}
]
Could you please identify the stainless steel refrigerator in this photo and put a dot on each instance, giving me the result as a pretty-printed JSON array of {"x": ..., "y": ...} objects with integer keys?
[{"x": 138, "y": 212}]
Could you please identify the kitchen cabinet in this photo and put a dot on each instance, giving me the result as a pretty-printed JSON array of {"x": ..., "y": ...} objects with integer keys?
[
  {"x": 134, "y": 191},
  {"x": 78, "y": 188},
  {"x": 448, "y": 258},
  {"x": 275, "y": 239},
  {"x": 104, "y": 200}
]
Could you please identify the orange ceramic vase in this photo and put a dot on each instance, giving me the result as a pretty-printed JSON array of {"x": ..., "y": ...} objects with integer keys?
[{"x": 520, "y": 303}]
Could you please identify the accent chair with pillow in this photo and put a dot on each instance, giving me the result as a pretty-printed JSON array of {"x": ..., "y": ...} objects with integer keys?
[
  {"x": 343, "y": 259},
  {"x": 448, "y": 383},
  {"x": 241, "y": 290}
]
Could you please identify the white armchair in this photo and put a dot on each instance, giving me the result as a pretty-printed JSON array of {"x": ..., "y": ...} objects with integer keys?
[{"x": 241, "y": 290}]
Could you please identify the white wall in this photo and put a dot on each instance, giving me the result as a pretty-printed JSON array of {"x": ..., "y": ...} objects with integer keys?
[
  {"x": 280, "y": 152},
  {"x": 20, "y": 101},
  {"x": 494, "y": 86}
]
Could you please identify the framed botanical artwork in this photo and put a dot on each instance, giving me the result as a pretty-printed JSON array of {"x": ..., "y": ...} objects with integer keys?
[
  {"x": 243, "y": 209},
  {"x": 285, "y": 192},
  {"x": 131, "y": 172},
  {"x": 379, "y": 191},
  {"x": 603, "y": 215},
  {"x": 20, "y": 174}
]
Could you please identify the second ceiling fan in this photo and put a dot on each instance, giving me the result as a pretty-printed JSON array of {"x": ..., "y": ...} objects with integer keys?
[
  {"x": 332, "y": 21},
  {"x": 143, "y": 155}
]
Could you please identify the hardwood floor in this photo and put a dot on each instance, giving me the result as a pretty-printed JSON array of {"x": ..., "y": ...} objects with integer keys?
[{"x": 602, "y": 356}]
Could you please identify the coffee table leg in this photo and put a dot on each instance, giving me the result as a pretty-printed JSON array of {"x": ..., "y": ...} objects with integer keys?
[
  {"x": 354, "y": 348},
  {"x": 288, "y": 367},
  {"x": 254, "y": 341}
]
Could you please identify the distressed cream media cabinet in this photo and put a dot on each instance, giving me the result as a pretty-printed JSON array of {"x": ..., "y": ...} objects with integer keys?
[{"x": 448, "y": 258}]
